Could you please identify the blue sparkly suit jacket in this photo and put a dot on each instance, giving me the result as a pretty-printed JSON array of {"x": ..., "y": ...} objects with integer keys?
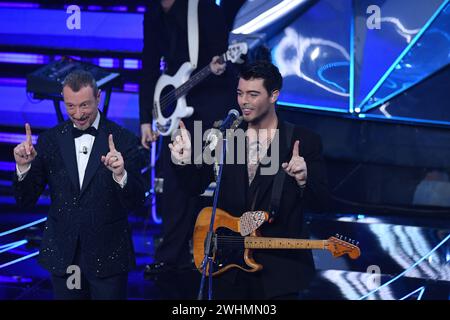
[{"x": 91, "y": 220}]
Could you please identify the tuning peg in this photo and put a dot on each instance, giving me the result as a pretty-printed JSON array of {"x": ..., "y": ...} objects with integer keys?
[
  {"x": 337, "y": 235},
  {"x": 357, "y": 242}
]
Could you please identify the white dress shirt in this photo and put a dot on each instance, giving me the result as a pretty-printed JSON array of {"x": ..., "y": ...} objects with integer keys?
[{"x": 83, "y": 148}]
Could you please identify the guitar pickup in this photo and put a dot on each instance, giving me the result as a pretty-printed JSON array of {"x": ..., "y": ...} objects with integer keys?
[
  {"x": 210, "y": 244},
  {"x": 164, "y": 128}
]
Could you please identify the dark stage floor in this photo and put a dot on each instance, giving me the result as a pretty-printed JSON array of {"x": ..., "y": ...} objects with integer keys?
[{"x": 392, "y": 248}]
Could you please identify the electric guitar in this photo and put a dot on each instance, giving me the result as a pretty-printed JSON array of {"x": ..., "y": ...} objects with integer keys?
[
  {"x": 235, "y": 238},
  {"x": 181, "y": 83}
]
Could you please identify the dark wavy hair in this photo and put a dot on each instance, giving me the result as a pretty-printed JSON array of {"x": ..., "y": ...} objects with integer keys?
[{"x": 272, "y": 79}]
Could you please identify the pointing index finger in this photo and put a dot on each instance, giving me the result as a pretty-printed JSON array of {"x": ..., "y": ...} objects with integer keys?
[
  {"x": 183, "y": 130},
  {"x": 112, "y": 147},
  {"x": 28, "y": 133},
  {"x": 28, "y": 143},
  {"x": 295, "y": 152}
]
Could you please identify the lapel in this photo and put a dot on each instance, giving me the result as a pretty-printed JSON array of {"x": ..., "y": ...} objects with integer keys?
[
  {"x": 262, "y": 183},
  {"x": 99, "y": 149},
  {"x": 67, "y": 147},
  {"x": 237, "y": 175},
  {"x": 241, "y": 193}
]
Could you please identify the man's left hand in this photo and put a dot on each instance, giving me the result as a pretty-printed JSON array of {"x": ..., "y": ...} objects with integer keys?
[
  {"x": 114, "y": 160},
  {"x": 297, "y": 166}
]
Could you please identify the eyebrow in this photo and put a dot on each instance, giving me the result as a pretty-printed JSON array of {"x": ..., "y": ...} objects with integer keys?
[
  {"x": 86, "y": 101},
  {"x": 249, "y": 91}
]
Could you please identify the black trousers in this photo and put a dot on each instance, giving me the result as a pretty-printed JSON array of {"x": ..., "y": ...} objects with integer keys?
[
  {"x": 92, "y": 287},
  {"x": 244, "y": 286},
  {"x": 178, "y": 213}
]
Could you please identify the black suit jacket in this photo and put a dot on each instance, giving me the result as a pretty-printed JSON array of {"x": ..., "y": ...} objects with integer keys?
[
  {"x": 93, "y": 218},
  {"x": 285, "y": 271}
]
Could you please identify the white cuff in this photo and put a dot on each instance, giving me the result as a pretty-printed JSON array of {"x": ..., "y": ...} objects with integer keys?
[
  {"x": 122, "y": 181},
  {"x": 22, "y": 175}
]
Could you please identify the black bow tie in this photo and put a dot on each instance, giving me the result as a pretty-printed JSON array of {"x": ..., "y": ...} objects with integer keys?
[{"x": 78, "y": 133}]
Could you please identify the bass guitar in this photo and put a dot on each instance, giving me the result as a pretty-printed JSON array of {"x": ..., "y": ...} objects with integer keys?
[{"x": 179, "y": 85}]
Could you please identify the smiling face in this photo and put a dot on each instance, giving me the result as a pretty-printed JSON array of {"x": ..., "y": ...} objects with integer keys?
[
  {"x": 255, "y": 102},
  {"x": 81, "y": 106}
]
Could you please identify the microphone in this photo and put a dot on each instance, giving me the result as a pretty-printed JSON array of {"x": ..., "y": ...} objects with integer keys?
[
  {"x": 225, "y": 124},
  {"x": 232, "y": 121},
  {"x": 84, "y": 150}
]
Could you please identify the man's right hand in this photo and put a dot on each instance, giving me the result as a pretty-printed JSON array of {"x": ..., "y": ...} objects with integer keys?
[
  {"x": 25, "y": 153},
  {"x": 181, "y": 148},
  {"x": 147, "y": 135}
]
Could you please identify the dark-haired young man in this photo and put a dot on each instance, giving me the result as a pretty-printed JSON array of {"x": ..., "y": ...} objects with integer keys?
[
  {"x": 250, "y": 186},
  {"x": 92, "y": 168}
]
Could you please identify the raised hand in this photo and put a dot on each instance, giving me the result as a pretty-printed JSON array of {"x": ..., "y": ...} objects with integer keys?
[
  {"x": 297, "y": 166},
  {"x": 24, "y": 153},
  {"x": 114, "y": 160},
  {"x": 181, "y": 148}
]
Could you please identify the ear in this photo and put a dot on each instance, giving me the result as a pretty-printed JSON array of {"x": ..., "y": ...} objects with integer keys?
[
  {"x": 99, "y": 93},
  {"x": 274, "y": 96}
]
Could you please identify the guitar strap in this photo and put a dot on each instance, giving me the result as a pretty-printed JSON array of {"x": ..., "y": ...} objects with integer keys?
[
  {"x": 192, "y": 22},
  {"x": 278, "y": 181}
]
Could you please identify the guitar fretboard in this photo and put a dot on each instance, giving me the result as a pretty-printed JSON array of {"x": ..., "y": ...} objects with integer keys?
[
  {"x": 188, "y": 85},
  {"x": 283, "y": 243}
]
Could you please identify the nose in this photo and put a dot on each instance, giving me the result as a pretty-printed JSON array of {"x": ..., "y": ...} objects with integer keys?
[
  {"x": 242, "y": 100},
  {"x": 77, "y": 113}
]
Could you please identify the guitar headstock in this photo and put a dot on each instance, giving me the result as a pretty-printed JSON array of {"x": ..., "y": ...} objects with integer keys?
[
  {"x": 338, "y": 247},
  {"x": 235, "y": 51}
]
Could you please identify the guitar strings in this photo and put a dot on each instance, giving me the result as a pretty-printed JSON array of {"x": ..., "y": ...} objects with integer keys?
[
  {"x": 171, "y": 96},
  {"x": 230, "y": 240}
]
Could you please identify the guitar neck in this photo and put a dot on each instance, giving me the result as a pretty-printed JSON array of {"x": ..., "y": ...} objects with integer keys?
[
  {"x": 283, "y": 243},
  {"x": 196, "y": 79}
]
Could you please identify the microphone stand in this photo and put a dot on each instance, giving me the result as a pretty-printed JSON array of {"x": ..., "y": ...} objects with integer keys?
[{"x": 211, "y": 237}]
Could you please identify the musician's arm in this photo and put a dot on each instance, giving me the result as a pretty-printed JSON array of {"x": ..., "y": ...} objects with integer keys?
[
  {"x": 316, "y": 193},
  {"x": 212, "y": 22},
  {"x": 194, "y": 179},
  {"x": 214, "y": 36},
  {"x": 150, "y": 66}
]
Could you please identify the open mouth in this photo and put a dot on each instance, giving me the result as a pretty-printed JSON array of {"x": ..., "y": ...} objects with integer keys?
[{"x": 81, "y": 123}]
